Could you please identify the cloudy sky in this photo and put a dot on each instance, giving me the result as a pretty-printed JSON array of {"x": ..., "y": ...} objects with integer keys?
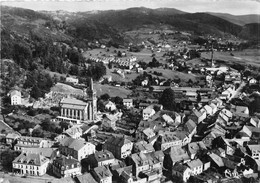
[{"x": 236, "y": 7}]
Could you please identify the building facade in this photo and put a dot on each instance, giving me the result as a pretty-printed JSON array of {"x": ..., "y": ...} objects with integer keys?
[
  {"x": 78, "y": 110},
  {"x": 31, "y": 164},
  {"x": 119, "y": 146},
  {"x": 66, "y": 167}
]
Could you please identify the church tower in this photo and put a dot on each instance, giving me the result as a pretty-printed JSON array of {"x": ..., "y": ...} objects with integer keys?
[{"x": 92, "y": 95}]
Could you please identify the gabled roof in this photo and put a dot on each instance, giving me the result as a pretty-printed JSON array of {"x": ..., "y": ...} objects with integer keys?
[
  {"x": 180, "y": 168},
  {"x": 217, "y": 159},
  {"x": 31, "y": 158},
  {"x": 190, "y": 125},
  {"x": 148, "y": 132},
  {"x": 195, "y": 163},
  {"x": 102, "y": 172},
  {"x": 177, "y": 154},
  {"x": 86, "y": 178},
  {"x": 15, "y": 92},
  {"x": 128, "y": 100},
  {"x": 66, "y": 161},
  {"x": 118, "y": 141},
  {"x": 255, "y": 147},
  {"x": 103, "y": 155},
  {"x": 73, "y": 130},
  {"x": 45, "y": 151},
  {"x": 194, "y": 147},
  {"x": 75, "y": 144}
]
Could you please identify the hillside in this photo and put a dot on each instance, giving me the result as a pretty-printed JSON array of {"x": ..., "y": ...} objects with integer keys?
[{"x": 238, "y": 19}]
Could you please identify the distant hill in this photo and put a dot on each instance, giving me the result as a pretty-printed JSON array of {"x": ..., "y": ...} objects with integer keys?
[
  {"x": 251, "y": 31},
  {"x": 110, "y": 26},
  {"x": 239, "y": 19}
]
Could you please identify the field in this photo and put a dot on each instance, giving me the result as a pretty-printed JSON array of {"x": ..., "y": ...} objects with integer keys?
[
  {"x": 66, "y": 89},
  {"x": 171, "y": 74},
  {"x": 249, "y": 56},
  {"x": 145, "y": 55},
  {"x": 113, "y": 91}
]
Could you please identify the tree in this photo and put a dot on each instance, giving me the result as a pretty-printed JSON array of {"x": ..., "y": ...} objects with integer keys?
[
  {"x": 168, "y": 100},
  {"x": 105, "y": 97},
  {"x": 35, "y": 92},
  {"x": 38, "y": 133}
]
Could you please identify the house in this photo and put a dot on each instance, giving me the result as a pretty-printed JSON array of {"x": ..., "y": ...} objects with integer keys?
[
  {"x": 72, "y": 80},
  {"x": 143, "y": 146},
  {"x": 121, "y": 147},
  {"x": 174, "y": 155},
  {"x": 27, "y": 142},
  {"x": 30, "y": 164},
  {"x": 101, "y": 158},
  {"x": 194, "y": 148},
  {"x": 213, "y": 107},
  {"x": 249, "y": 132},
  {"x": 73, "y": 132},
  {"x": 109, "y": 121},
  {"x": 240, "y": 111},
  {"x": 12, "y": 137},
  {"x": 224, "y": 144},
  {"x": 254, "y": 151},
  {"x": 255, "y": 121},
  {"x": 218, "y": 102},
  {"x": 16, "y": 97},
  {"x": 191, "y": 128},
  {"x": 147, "y": 162},
  {"x": 148, "y": 112},
  {"x": 207, "y": 109},
  {"x": 85, "y": 178},
  {"x": 128, "y": 103},
  {"x": 145, "y": 134},
  {"x": 102, "y": 174},
  {"x": 48, "y": 152},
  {"x": 198, "y": 116},
  {"x": 167, "y": 119},
  {"x": 167, "y": 140},
  {"x": 252, "y": 81},
  {"x": 196, "y": 166},
  {"x": 66, "y": 167},
  {"x": 181, "y": 171},
  {"x": 110, "y": 106},
  {"x": 78, "y": 149}
]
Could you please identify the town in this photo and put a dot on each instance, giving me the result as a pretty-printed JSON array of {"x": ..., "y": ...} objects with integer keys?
[{"x": 155, "y": 111}]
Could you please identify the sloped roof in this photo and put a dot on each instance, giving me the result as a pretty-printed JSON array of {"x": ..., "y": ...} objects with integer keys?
[
  {"x": 102, "y": 172},
  {"x": 118, "y": 141},
  {"x": 195, "y": 163},
  {"x": 75, "y": 144},
  {"x": 31, "y": 158},
  {"x": 15, "y": 92},
  {"x": 217, "y": 159},
  {"x": 86, "y": 178},
  {"x": 47, "y": 152},
  {"x": 190, "y": 125}
]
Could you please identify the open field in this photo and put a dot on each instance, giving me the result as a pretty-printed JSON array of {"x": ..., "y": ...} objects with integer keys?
[
  {"x": 66, "y": 89},
  {"x": 171, "y": 74},
  {"x": 145, "y": 55},
  {"x": 113, "y": 91},
  {"x": 249, "y": 56}
]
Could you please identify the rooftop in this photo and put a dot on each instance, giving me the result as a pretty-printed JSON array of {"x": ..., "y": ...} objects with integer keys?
[
  {"x": 31, "y": 158},
  {"x": 103, "y": 155},
  {"x": 194, "y": 163},
  {"x": 118, "y": 141},
  {"x": 102, "y": 172}
]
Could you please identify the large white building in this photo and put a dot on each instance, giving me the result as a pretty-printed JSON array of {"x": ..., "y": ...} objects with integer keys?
[
  {"x": 16, "y": 97},
  {"x": 78, "y": 149},
  {"x": 31, "y": 164},
  {"x": 75, "y": 110}
]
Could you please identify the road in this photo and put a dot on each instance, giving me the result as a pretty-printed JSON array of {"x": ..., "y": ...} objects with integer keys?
[{"x": 29, "y": 179}]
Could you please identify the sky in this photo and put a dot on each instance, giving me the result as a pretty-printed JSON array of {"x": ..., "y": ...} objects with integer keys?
[{"x": 235, "y": 7}]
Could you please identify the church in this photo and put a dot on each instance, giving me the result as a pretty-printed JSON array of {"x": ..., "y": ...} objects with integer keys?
[{"x": 77, "y": 111}]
